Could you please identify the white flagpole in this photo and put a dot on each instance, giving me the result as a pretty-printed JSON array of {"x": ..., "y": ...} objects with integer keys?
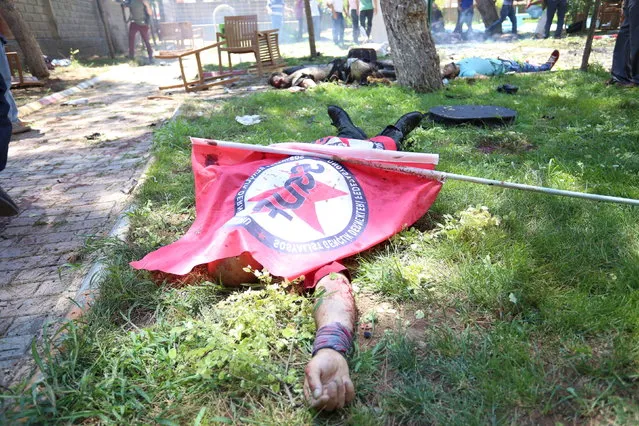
[{"x": 430, "y": 174}]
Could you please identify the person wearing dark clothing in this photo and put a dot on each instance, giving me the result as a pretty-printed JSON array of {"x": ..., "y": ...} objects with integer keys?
[
  {"x": 17, "y": 126},
  {"x": 367, "y": 8},
  {"x": 625, "y": 58},
  {"x": 7, "y": 205},
  {"x": 507, "y": 11},
  {"x": 560, "y": 7},
  {"x": 354, "y": 10},
  {"x": 465, "y": 14},
  {"x": 338, "y": 21},
  {"x": 140, "y": 13}
]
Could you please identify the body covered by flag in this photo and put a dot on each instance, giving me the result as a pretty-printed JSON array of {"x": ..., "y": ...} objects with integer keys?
[{"x": 295, "y": 213}]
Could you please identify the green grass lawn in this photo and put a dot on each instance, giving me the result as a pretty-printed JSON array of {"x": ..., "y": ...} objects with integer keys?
[{"x": 498, "y": 307}]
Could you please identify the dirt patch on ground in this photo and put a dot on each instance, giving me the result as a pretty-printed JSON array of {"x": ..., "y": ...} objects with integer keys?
[
  {"x": 504, "y": 143},
  {"x": 377, "y": 315},
  {"x": 61, "y": 78}
]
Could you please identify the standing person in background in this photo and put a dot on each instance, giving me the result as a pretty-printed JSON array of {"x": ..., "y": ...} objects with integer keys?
[
  {"x": 338, "y": 20},
  {"x": 275, "y": 9},
  {"x": 625, "y": 59},
  {"x": 140, "y": 13},
  {"x": 507, "y": 11},
  {"x": 300, "y": 15},
  {"x": 541, "y": 24},
  {"x": 353, "y": 6},
  {"x": 367, "y": 9},
  {"x": 16, "y": 125},
  {"x": 316, "y": 16},
  {"x": 465, "y": 13},
  {"x": 560, "y": 7}
]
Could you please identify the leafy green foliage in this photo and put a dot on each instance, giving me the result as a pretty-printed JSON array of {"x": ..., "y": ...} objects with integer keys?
[{"x": 256, "y": 339}]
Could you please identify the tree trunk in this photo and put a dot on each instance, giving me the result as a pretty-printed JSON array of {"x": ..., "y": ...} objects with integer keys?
[
  {"x": 414, "y": 55},
  {"x": 311, "y": 29},
  {"x": 488, "y": 12},
  {"x": 591, "y": 33},
  {"x": 25, "y": 38},
  {"x": 107, "y": 30}
]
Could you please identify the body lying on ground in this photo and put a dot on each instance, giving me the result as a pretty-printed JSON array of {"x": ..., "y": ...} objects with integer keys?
[
  {"x": 486, "y": 67},
  {"x": 347, "y": 70},
  {"x": 331, "y": 209}
]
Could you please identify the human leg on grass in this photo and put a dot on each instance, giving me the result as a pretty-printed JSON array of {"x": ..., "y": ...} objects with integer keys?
[{"x": 516, "y": 66}]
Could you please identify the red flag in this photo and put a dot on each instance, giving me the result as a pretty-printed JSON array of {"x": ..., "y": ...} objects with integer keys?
[{"x": 295, "y": 214}]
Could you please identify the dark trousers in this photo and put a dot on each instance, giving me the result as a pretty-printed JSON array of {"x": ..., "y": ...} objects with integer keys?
[
  {"x": 560, "y": 7},
  {"x": 338, "y": 28},
  {"x": 464, "y": 17},
  {"x": 507, "y": 11},
  {"x": 144, "y": 33},
  {"x": 366, "y": 19},
  {"x": 5, "y": 126},
  {"x": 625, "y": 59},
  {"x": 355, "y": 18}
]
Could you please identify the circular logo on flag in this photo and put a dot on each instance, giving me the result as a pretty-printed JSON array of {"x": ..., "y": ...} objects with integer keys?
[{"x": 302, "y": 205}]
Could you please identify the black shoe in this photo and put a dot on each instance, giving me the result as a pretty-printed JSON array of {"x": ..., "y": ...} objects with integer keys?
[
  {"x": 508, "y": 88},
  {"x": 403, "y": 127},
  {"x": 7, "y": 206},
  {"x": 408, "y": 122},
  {"x": 345, "y": 126}
]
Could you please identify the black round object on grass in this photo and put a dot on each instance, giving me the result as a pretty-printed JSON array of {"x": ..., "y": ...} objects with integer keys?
[{"x": 480, "y": 115}]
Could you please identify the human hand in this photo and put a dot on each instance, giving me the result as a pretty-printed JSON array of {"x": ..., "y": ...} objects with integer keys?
[{"x": 327, "y": 384}]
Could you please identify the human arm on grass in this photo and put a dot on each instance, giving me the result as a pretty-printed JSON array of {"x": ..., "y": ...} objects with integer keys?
[{"x": 327, "y": 383}]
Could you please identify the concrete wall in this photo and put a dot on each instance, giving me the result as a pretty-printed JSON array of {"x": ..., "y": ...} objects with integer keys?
[
  {"x": 64, "y": 25},
  {"x": 200, "y": 13}
]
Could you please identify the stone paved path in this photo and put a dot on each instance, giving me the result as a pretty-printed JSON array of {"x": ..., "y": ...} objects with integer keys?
[{"x": 71, "y": 179}]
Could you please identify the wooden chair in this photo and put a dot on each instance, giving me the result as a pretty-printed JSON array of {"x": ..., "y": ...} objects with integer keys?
[
  {"x": 187, "y": 32},
  {"x": 610, "y": 15},
  {"x": 18, "y": 79},
  {"x": 202, "y": 82},
  {"x": 241, "y": 36},
  {"x": 170, "y": 31}
]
